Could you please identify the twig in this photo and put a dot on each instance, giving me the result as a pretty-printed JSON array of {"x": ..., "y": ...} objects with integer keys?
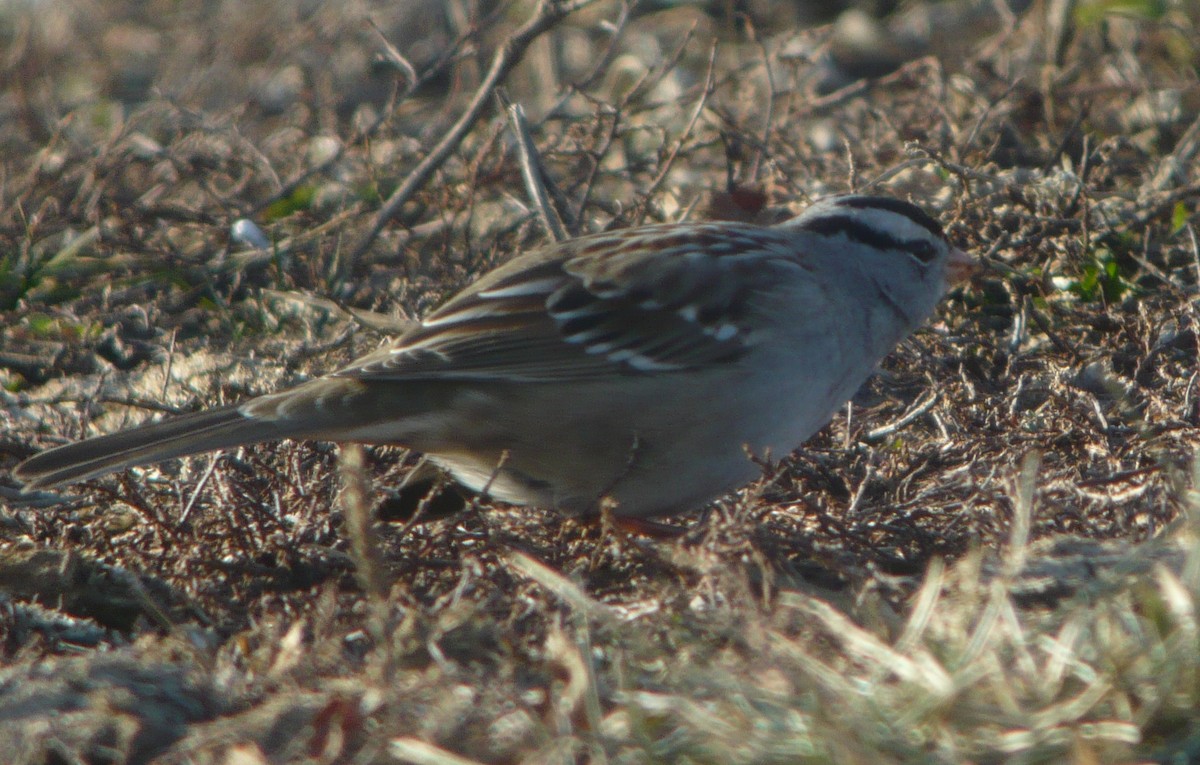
[
  {"x": 509, "y": 54},
  {"x": 195, "y": 495},
  {"x": 604, "y": 63},
  {"x": 170, "y": 364},
  {"x": 669, "y": 62},
  {"x": 440, "y": 482},
  {"x": 395, "y": 56},
  {"x": 417, "y": 752},
  {"x": 768, "y": 117},
  {"x": 1022, "y": 517},
  {"x": 374, "y": 321},
  {"x": 1172, "y": 167},
  {"x": 1045, "y": 327},
  {"x": 1067, "y": 136},
  {"x": 860, "y": 87},
  {"x": 920, "y": 408},
  {"x": 709, "y": 84},
  {"x": 356, "y": 490},
  {"x": 89, "y": 400},
  {"x": 532, "y": 171},
  {"x": 988, "y": 108},
  {"x": 597, "y": 157}
]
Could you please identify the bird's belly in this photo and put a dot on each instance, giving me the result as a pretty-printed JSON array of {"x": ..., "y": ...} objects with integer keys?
[{"x": 670, "y": 451}]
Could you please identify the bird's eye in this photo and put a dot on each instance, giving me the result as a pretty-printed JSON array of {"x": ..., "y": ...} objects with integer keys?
[{"x": 922, "y": 250}]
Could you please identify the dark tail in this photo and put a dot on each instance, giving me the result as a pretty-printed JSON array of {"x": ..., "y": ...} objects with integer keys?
[{"x": 215, "y": 429}]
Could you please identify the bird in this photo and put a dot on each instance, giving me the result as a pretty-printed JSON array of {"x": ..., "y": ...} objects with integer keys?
[{"x": 637, "y": 371}]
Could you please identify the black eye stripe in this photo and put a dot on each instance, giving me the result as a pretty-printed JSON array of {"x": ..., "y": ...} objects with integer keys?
[{"x": 853, "y": 229}]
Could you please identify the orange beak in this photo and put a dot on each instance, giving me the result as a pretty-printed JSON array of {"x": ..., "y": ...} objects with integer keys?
[{"x": 960, "y": 268}]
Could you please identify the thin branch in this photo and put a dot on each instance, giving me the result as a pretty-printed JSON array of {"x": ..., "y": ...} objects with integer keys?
[
  {"x": 356, "y": 512},
  {"x": 597, "y": 157},
  {"x": 709, "y": 85},
  {"x": 395, "y": 56},
  {"x": 532, "y": 170},
  {"x": 398, "y": 97},
  {"x": 914, "y": 413},
  {"x": 549, "y": 13},
  {"x": 768, "y": 117}
]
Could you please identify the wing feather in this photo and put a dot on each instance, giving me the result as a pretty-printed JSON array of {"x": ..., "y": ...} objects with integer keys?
[{"x": 659, "y": 299}]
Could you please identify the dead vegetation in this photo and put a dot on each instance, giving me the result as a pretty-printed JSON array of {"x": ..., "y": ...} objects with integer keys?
[{"x": 989, "y": 560}]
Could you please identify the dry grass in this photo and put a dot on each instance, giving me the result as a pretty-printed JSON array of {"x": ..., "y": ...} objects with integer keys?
[{"x": 989, "y": 561}]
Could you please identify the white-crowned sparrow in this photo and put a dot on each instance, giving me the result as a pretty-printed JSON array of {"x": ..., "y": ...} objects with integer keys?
[{"x": 640, "y": 366}]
